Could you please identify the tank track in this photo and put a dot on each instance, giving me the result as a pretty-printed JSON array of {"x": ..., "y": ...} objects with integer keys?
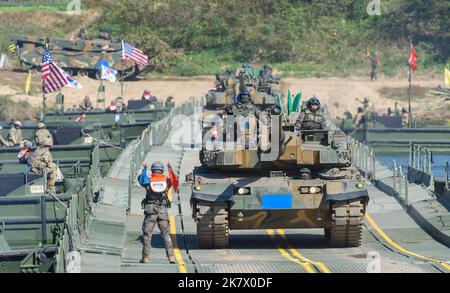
[
  {"x": 212, "y": 224},
  {"x": 346, "y": 220}
]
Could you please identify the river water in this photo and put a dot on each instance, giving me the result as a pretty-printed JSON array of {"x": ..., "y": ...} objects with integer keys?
[{"x": 438, "y": 166}]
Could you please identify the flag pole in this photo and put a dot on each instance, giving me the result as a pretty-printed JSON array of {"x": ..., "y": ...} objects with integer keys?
[
  {"x": 122, "y": 76},
  {"x": 410, "y": 117},
  {"x": 43, "y": 103}
]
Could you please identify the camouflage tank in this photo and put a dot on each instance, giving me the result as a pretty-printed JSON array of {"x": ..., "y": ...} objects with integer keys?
[
  {"x": 264, "y": 187},
  {"x": 227, "y": 86},
  {"x": 78, "y": 57}
]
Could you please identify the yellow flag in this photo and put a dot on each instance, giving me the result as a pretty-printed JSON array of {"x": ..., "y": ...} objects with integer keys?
[
  {"x": 28, "y": 84},
  {"x": 447, "y": 77}
]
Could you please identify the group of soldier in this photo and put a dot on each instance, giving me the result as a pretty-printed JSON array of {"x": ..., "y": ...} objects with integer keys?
[
  {"x": 41, "y": 161},
  {"x": 117, "y": 105},
  {"x": 365, "y": 111}
]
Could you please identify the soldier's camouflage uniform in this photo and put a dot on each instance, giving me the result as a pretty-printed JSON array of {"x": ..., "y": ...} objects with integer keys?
[
  {"x": 4, "y": 142},
  {"x": 42, "y": 161},
  {"x": 15, "y": 136},
  {"x": 155, "y": 212},
  {"x": 247, "y": 131},
  {"x": 310, "y": 120},
  {"x": 43, "y": 137},
  {"x": 86, "y": 105}
]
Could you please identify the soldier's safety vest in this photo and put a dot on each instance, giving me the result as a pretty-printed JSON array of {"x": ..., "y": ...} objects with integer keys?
[
  {"x": 312, "y": 121},
  {"x": 158, "y": 187}
]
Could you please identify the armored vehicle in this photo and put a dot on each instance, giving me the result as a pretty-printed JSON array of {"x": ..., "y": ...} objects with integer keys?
[
  {"x": 77, "y": 57},
  {"x": 226, "y": 89},
  {"x": 265, "y": 187}
]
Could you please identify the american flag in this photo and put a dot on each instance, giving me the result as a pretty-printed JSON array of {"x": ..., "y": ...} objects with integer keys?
[
  {"x": 130, "y": 52},
  {"x": 54, "y": 77}
]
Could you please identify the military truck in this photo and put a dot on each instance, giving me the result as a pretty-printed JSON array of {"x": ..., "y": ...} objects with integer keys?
[
  {"x": 77, "y": 57},
  {"x": 238, "y": 188}
]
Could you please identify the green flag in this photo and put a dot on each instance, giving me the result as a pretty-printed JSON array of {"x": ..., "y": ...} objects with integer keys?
[
  {"x": 296, "y": 104},
  {"x": 280, "y": 103},
  {"x": 289, "y": 102}
]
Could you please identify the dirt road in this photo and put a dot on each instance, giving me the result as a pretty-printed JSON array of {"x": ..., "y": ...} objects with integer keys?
[{"x": 338, "y": 94}]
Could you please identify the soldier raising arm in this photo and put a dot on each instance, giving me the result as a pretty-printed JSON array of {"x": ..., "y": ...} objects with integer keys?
[{"x": 155, "y": 207}]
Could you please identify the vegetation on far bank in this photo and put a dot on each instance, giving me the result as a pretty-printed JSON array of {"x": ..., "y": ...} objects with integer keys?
[{"x": 301, "y": 38}]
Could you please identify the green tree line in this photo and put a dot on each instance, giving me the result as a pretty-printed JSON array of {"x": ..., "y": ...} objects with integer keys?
[{"x": 300, "y": 31}]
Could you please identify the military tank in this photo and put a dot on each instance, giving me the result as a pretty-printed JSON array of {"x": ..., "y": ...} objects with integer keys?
[
  {"x": 77, "y": 57},
  {"x": 263, "y": 187},
  {"x": 227, "y": 85}
]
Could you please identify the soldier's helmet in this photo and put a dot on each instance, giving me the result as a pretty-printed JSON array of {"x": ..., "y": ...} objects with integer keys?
[
  {"x": 157, "y": 166},
  {"x": 18, "y": 123},
  {"x": 313, "y": 101},
  {"x": 305, "y": 173},
  {"x": 244, "y": 96},
  {"x": 28, "y": 144},
  {"x": 40, "y": 125},
  {"x": 360, "y": 110}
]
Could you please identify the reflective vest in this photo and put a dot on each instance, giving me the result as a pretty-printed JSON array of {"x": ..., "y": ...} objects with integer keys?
[{"x": 158, "y": 183}]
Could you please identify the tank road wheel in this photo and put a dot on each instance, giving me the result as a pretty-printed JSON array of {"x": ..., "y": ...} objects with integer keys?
[
  {"x": 346, "y": 219},
  {"x": 212, "y": 224}
]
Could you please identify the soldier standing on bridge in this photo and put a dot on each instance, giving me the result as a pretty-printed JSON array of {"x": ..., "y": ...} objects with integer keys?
[{"x": 155, "y": 207}]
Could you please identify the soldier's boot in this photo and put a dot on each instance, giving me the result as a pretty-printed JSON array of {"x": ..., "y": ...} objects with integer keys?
[
  {"x": 171, "y": 259},
  {"x": 145, "y": 259}
]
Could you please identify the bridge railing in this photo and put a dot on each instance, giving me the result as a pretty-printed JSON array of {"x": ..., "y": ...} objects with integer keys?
[
  {"x": 400, "y": 182},
  {"x": 420, "y": 169},
  {"x": 364, "y": 159}
]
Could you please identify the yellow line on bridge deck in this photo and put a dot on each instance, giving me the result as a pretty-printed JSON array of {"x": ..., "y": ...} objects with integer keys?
[
  {"x": 176, "y": 249},
  {"x": 397, "y": 246},
  {"x": 295, "y": 252},
  {"x": 306, "y": 265}
]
